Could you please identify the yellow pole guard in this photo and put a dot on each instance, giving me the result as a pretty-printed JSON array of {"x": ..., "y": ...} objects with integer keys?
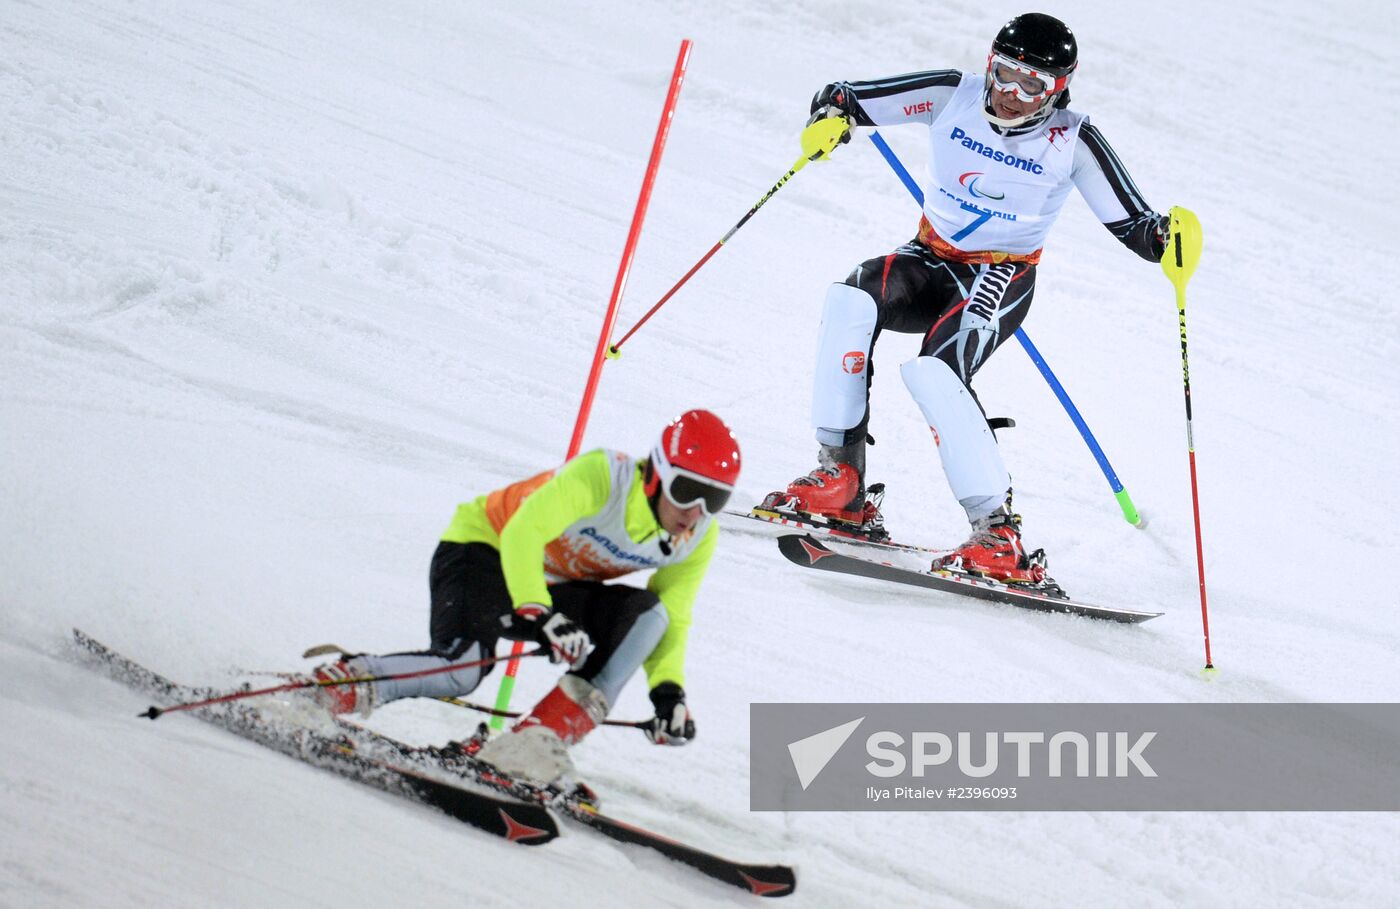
[
  {"x": 1183, "y": 250},
  {"x": 821, "y": 138}
]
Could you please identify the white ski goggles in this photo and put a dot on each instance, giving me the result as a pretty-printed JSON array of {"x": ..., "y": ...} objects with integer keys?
[
  {"x": 685, "y": 490},
  {"x": 1029, "y": 84}
]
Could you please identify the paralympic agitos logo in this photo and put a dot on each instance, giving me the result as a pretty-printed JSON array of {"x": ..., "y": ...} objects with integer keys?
[{"x": 969, "y": 182}]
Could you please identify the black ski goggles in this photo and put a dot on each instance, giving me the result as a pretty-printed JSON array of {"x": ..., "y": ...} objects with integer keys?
[{"x": 686, "y": 490}]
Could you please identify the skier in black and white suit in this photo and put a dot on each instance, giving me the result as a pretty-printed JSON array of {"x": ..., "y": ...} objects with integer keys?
[{"x": 1004, "y": 152}]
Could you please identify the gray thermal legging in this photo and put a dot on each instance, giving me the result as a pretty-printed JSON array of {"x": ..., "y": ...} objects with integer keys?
[{"x": 469, "y": 599}]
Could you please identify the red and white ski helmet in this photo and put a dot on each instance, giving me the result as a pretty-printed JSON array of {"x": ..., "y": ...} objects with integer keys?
[{"x": 696, "y": 461}]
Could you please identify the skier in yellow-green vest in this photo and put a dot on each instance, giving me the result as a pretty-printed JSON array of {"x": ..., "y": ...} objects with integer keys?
[{"x": 528, "y": 562}]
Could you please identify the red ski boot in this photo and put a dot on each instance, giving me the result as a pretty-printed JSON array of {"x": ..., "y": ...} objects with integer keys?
[
  {"x": 358, "y": 699},
  {"x": 834, "y": 493},
  {"x": 801, "y": 503},
  {"x": 537, "y": 748},
  {"x": 994, "y": 550}
]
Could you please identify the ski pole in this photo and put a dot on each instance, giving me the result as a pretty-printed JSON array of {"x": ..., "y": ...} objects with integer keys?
[
  {"x": 344, "y": 653},
  {"x": 512, "y": 714},
  {"x": 1179, "y": 263},
  {"x": 157, "y": 712},
  {"x": 826, "y": 135},
  {"x": 829, "y": 144},
  {"x": 1125, "y": 502}
]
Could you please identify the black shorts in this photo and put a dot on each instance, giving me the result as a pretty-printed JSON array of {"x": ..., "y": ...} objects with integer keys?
[{"x": 469, "y": 600}]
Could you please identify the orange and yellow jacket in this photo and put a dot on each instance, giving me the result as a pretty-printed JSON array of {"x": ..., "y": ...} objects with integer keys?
[{"x": 590, "y": 520}]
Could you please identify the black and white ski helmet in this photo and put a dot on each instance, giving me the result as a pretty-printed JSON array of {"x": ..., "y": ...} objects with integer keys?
[{"x": 1032, "y": 49}]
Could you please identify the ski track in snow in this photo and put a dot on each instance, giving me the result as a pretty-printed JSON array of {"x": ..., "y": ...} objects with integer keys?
[{"x": 284, "y": 283}]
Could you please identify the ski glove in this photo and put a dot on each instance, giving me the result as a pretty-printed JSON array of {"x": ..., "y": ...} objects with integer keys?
[
  {"x": 830, "y": 124},
  {"x": 567, "y": 642},
  {"x": 835, "y": 99},
  {"x": 672, "y": 724},
  {"x": 1162, "y": 234}
]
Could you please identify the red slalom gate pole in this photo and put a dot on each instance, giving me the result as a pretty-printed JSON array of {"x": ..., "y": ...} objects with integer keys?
[
  {"x": 633, "y": 235},
  {"x": 624, "y": 268}
]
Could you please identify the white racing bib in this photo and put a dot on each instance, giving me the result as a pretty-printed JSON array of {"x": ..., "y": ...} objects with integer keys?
[
  {"x": 989, "y": 192},
  {"x": 598, "y": 547}
]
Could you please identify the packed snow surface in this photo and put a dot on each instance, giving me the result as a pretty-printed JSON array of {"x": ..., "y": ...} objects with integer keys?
[{"x": 285, "y": 282}]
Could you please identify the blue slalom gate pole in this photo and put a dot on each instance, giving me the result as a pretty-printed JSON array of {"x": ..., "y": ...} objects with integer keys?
[{"x": 1125, "y": 502}]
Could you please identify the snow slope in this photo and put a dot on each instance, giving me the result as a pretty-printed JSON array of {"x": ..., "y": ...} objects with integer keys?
[{"x": 286, "y": 282}]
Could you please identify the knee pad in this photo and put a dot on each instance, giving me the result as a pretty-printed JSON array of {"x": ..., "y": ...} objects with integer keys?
[
  {"x": 843, "y": 358},
  {"x": 966, "y": 446}
]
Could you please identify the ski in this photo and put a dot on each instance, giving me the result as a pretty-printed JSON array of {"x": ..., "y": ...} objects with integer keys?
[
  {"x": 809, "y": 552},
  {"x": 761, "y": 880},
  {"x": 580, "y": 804},
  {"x": 520, "y": 812},
  {"x": 514, "y": 820}
]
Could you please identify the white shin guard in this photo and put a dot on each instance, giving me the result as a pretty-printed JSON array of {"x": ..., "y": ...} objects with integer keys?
[
  {"x": 971, "y": 459},
  {"x": 843, "y": 361}
]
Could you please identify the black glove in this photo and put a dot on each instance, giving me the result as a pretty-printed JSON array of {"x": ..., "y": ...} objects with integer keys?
[
  {"x": 567, "y": 642},
  {"x": 1162, "y": 236},
  {"x": 830, "y": 123},
  {"x": 834, "y": 100},
  {"x": 672, "y": 724}
]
